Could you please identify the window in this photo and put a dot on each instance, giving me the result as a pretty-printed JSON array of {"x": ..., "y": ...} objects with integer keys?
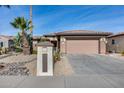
[
  {"x": 113, "y": 41},
  {"x": 1, "y": 44}
]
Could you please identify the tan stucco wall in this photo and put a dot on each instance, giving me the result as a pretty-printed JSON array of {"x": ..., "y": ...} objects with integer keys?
[
  {"x": 35, "y": 45},
  {"x": 118, "y": 46},
  {"x": 103, "y": 47},
  {"x": 62, "y": 45}
]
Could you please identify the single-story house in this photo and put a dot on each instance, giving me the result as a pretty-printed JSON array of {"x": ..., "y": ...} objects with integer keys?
[
  {"x": 6, "y": 41},
  {"x": 79, "y": 41},
  {"x": 36, "y": 40},
  {"x": 116, "y": 43}
]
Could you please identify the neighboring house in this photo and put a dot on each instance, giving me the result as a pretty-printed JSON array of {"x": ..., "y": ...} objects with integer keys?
[
  {"x": 6, "y": 41},
  {"x": 116, "y": 43},
  {"x": 80, "y": 41},
  {"x": 36, "y": 40}
]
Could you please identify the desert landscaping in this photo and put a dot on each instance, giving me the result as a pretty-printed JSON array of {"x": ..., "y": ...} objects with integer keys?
[{"x": 18, "y": 64}]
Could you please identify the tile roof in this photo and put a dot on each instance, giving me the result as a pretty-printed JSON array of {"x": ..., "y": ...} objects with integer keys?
[
  {"x": 47, "y": 43},
  {"x": 36, "y": 37},
  {"x": 80, "y": 32},
  {"x": 3, "y": 37},
  {"x": 50, "y": 34},
  {"x": 115, "y": 35}
]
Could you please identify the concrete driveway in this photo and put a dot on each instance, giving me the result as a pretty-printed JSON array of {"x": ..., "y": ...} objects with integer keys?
[
  {"x": 96, "y": 71},
  {"x": 96, "y": 64}
]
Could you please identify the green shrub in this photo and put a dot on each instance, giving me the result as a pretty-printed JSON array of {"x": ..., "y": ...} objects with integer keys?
[
  {"x": 34, "y": 52},
  {"x": 56, "y": 56},
  {"x": 4, "y": 50},
  {"x": 18, "y": 50},
  {"x": 122, "y": 53}
]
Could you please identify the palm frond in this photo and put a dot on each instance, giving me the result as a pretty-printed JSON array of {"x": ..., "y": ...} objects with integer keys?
[
  {"x": 14, "y": 25},
  {"x": 28, "y": 28}
]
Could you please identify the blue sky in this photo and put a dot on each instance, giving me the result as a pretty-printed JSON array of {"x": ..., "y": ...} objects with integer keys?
[{"x": 48, "y": 19}]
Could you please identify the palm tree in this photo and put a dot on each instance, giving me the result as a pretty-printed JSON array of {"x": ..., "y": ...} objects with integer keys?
[{"x": 24, "y": 26}]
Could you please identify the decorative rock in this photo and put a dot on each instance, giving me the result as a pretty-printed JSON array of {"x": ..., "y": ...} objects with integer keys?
[
  {"x": 17, "y": 65},
  {"x": 15, "y": 69}
]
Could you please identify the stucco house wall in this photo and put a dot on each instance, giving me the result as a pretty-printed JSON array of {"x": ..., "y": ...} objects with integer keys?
[
  {"x": 63, "y": 45},
  {"x": 6, "y": 41},
  {"x": 118, "y": 46},
  {"x": 103, "y": 46}
]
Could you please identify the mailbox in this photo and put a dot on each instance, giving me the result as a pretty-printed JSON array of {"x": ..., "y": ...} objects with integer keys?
[{"x": 45, "y": 59}]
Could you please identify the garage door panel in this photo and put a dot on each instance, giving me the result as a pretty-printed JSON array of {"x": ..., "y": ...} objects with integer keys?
[{"x": 82, "y": 46}]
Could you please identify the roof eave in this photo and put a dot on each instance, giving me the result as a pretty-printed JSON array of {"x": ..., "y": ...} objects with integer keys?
[
  {"x": 83, "y": 34},
  {"x": 115, "y": 35}
]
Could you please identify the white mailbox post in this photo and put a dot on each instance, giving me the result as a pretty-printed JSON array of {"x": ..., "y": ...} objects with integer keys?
[{"x": 45, "y": 59}]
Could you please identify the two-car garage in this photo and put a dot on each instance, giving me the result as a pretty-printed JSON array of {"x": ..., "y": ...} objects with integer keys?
[
  {"x": 82, "y": 46},
  {"x": 81, "y": 41}
]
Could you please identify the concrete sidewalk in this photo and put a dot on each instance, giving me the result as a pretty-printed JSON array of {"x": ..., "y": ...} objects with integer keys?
[{"x": 84, "y": 81}]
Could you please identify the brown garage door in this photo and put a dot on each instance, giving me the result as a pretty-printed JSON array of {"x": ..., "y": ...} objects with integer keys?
[{"x": 82, "y": 47}]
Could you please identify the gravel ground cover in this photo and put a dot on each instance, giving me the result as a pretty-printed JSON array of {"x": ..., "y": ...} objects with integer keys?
[
  {"x": 18, "y": 65},
  {"x": 15, "y": 69}
]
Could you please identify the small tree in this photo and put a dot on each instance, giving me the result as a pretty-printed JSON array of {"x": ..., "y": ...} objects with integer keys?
[
  {"x": 18, "y": 41},
  {"x": 24, "y": 26}
]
